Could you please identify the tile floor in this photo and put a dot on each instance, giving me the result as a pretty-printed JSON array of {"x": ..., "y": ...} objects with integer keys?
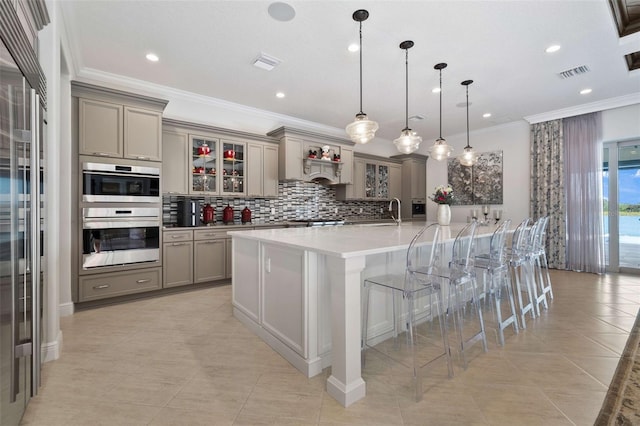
[{"x": 184, "y": 360}]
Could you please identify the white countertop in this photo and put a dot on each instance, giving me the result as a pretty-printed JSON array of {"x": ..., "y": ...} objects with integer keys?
[{"x": 352, "y": 240}]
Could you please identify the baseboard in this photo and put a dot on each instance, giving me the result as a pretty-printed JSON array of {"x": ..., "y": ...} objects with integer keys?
[
  {"x": 51, "y": 351},
  {"x": 66, "y": 309}
]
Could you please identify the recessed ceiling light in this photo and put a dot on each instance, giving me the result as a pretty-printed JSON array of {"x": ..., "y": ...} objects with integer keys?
[
  {"x": 585, "y": 91},
  {"x": 486, "y": 115},
  {"x": 353, "y": 47},
  {"x": 152, "y": 57},
  {"x": 280, "y": 95},
  {"x": 281, "y": 11},
  {"x": 552, "y": 48},
  {"x": 435, "y": 90}
]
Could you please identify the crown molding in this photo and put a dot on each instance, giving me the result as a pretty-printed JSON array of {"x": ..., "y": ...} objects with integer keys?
[
  {"x": 126, "y": 83},
  {"x": 620, "y": 101}
]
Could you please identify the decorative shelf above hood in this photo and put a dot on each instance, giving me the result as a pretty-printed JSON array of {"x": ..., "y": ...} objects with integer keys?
[{"x": 322, "y": 169}]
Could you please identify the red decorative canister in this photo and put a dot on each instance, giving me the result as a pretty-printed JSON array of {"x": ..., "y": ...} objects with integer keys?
[
  {"x": 227, "y": 214},
  {"x": 246, "y": 215},
  {"x": 208, "y": 214},
  {"x": 204, "y": 150}
]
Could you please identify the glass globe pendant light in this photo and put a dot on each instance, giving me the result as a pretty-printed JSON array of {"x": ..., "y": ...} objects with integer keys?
[
  {"x": 408, "y": 141},
  {"x": 440, "y": 150},
  {"x": 362, "y": 130},
  {"x": 468, "y": 157}
]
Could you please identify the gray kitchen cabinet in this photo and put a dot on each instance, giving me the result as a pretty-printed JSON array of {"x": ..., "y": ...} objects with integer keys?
[
  {"x": 142, "y": 134},
  {"x": 374, "y": 178},
  {"x": 233, "y": 165},
  {"x": 204, "y": 169},
  {"x": 262, "y": 170},
  {"x": 100, "y": 128},
  {"x": 111, "y": 284},
  {"x": 229, "y": 258},
  {"x": 346, "y": 158},
  {"x": 175, "y": 174},
  {"x": 117, "y": 124},
  {"x": 290, "y": 164},
  {"x": 414, "y": 181},
  {"x": 209, "y": 254},
  {"x": 395, "y": 181},
  {"x": 177, "y": 258}
]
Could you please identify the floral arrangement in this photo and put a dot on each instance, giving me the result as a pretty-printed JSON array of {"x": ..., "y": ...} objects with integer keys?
[{"x": 443, "y": 194}]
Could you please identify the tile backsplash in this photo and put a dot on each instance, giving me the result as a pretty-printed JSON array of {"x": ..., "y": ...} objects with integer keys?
[{"x": 296, "y": 200}]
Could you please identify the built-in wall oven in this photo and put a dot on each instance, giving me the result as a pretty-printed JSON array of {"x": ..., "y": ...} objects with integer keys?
[
  {"x": 418, "y": 208},
  {"x": 113, "y": 236},
  {"x": 120, "y": 183}
]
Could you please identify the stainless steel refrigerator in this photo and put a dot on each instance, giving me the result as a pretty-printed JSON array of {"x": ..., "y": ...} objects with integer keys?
[{"x": 21, "y": 235}]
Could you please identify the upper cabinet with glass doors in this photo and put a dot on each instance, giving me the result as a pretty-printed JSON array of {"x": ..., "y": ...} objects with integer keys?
[
  {"x": 233, "y": 170},
  {"x": 204, "y": 165}
]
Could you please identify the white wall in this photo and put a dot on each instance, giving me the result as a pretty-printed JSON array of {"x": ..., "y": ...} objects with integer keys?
[
  {"x": 513, "y": 140},
  {"x": 621, "y": 124}
]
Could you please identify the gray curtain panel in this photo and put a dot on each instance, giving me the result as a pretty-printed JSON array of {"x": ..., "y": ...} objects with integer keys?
[
  {"x": 583, "y": 184},
  {"x": 547, "y": 187}
]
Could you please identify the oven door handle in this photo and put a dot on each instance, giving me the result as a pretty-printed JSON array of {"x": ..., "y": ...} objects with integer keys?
[
  {"x": 119, "y": 223},
  {"x": 120, "y": 174}
]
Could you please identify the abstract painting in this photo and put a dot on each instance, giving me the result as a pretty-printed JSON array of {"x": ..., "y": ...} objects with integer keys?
[{"x": 478, "y": 184}]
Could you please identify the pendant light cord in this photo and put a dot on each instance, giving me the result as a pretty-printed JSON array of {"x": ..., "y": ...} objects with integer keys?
[
  {"x": 440, "y": 138},
  {"x": 361, "y": 113},
  {"x": 406, "y": 92},
  {"x": 467, "y": 118}
]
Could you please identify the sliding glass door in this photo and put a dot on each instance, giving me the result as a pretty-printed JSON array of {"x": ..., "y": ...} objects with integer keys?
[{"x": 621, "y": 184}]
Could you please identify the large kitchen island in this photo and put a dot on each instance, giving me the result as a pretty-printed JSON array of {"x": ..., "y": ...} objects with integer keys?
[{"x": 299, "y": 290}]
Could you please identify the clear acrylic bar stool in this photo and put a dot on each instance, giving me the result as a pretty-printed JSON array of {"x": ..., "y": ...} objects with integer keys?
[
  {"x": 422, "y": 295},
  {"x": 461, "y": 278},
  {"x": 540, "y": 252},
  {"x": 495, "y": 268},
  {"x": 518, "y": 261}
]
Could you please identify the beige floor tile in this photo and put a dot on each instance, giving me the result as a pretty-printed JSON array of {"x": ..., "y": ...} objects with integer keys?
[{"x": 184, "y": 359}]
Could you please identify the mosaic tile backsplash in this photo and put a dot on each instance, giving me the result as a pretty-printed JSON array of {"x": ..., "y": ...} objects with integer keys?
[{"x": 296, "y": 200}]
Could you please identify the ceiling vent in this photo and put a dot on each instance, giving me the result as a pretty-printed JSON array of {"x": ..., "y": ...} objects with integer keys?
[
  {"x": 583, "y": 69},
  {"x": 266, "y": 62}
]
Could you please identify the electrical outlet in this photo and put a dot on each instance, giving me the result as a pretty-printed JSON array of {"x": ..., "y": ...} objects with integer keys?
[
  {"x": 273, "y": 210},
  {"x": 335, "y": 211},
  {"x": 360, "y": 210}
]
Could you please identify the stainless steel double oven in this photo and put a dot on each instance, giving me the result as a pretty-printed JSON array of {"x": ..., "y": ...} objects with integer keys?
[{"x": 121, "y": 215}]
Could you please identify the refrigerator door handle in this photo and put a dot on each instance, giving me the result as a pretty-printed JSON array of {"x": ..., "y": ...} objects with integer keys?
[{"x": 36, "y": 242}]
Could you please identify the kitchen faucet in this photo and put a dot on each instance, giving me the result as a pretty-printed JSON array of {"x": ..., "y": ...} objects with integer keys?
[{"x": 399, "y": 219}]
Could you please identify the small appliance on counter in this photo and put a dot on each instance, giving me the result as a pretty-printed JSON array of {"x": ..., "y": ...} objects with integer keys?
[
  {"x": 188, "y": 213},
  {"x": 246, "y": 215},
  {"x": 227, "y": 214},
  {"x": 208, "y": 214}
]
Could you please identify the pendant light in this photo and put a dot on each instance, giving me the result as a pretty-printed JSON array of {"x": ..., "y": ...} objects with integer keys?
[
  {"x": 362, "y": 130},
  {"x": 408, "y": 141},
  {"x": 468, "y": 157},
  {"x": 440, "y": 150}
]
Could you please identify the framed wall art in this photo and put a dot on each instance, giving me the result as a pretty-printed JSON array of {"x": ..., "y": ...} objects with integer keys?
[{"x": 479, "y": 184}]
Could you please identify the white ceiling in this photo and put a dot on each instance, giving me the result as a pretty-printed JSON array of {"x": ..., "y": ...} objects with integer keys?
[{"x": 208, "y": 47}]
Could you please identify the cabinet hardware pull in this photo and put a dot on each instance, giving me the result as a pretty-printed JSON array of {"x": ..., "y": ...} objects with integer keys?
[
  {"x": 99, "y": 287},
  {"x": 142, "y": 281},
  {"x": 178, "y": 244},
  {"x": 101, "y": 154},
  {"x": 140, "y": 157},
  {"x": 176, "y": 236}
]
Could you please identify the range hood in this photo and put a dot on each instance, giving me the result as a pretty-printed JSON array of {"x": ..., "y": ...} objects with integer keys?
[{"x": 322, "y": 171}]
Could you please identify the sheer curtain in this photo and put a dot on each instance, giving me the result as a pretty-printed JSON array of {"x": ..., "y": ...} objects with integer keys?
[
  {"x": 583, "y": 169},
  {"x": 547, "y": 187}
]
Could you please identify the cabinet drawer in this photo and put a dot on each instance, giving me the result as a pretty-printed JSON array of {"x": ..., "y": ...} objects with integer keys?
[
  {"x": 174, "y": 236},
  {"x": 119, "y": 283},
  {"x": 208, "y": 234}
]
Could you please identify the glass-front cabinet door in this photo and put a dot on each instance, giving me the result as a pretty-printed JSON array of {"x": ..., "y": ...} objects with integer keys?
[
  {"x": 376, "y": 181},
  {"x": 370, "y": 180},
  {"x": 382, "y": 183},
  {"x": 233, "y": 171},
  {"x": 204, "y": 165}
]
